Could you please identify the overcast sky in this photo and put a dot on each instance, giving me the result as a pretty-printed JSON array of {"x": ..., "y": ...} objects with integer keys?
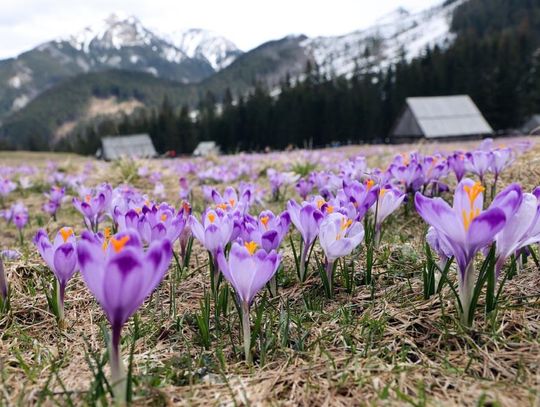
[{"x": 27, "y": 23}]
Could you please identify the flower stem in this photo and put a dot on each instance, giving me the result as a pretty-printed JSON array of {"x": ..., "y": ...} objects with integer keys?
[
  {"x": 118, "y": 373},
  {"x": 246, "y": 332},
  {"x": 303, "y": 258},
  {"x": 466, "y": 288},
  {"x": 329, "y": 277},
  {"x": 60, "y": 295}
]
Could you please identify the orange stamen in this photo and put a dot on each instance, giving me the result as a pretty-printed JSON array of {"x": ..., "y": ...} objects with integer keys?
[
  {"x": 87, "y": 198},
  {"x": 164, "y": 217},
  {"x": 251, "y": 247},
  {"x": 222, "y": 206},
  {"x": 232, "y": 202},
  {"x": 66, "y": 233},
  {"x": 118, "y": 244},
  {"x": 264, "y": 221},
  {"x": 211, "y": 217},
  {"x": 107, "y": 232},
  {"x": 329, "y": 209},
  {"x": 369, "y": 184}
]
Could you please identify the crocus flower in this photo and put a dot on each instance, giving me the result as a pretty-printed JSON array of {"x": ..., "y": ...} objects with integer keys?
[
  {"x": 466, "y": 228},
  {"x": 185, "y": 190},
  {"x": 389, "y": 200},
  {"x": 304, "y": 187},
  {"x": 456, "y": 162},
  {"x": 268, "y": 230},
  {"x": 521, "y": 229},
  {"x": 93, "y": 207},
  {"x": 61, "y": 258},
  {"x": 479, "y": 163},
  {"x": 439, "y": 245},
  {"x": 55, "y": 197},
  {"x": 306, "y": 218},
  {"x": 214, "y": 231},
  {"x": 159, "y": 222},
  {"x": 338, "y": 237},
  {"x": 121, "y": 275},
  {"x": 6, "y": 187},
  {"x": 361, "y": 195},
  {"x": 247, "y": 269}
]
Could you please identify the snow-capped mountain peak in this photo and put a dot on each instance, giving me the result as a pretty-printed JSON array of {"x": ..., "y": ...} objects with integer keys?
[
  {"x": 200, "y": 43},
  {"x": 114, "y": 32}
]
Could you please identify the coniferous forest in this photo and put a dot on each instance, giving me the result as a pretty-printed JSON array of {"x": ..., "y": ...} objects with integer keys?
[{"x": 495, "y": 58}]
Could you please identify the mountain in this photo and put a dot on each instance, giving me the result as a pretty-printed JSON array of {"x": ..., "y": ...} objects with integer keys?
[
  {"x": 204, "y": 62},
  {"x": 395, "y": 36},
  {"x": 116, "y": 43},
  {"x": 205, "y": 45}
]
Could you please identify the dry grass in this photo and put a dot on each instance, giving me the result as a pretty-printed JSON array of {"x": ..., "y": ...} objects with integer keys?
[{"x": 389, "y": 347}]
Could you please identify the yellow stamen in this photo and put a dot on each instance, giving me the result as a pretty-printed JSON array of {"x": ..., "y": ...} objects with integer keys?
[
  {"x": 382, "y": 192},
  {"x": 66, "y": 233},
  {"x": 320, "y": 203},
  {"x": 264, "y": 221},
  {"x": 138, "y": 210},
  {"x": 251, "y": 247},
  {"x": 118, "y": 244},
  {"x": 473, "y": 192},
  {"x": 211, "y": 217},
  {"x": 222, "y": 206},
  {"x": 329, "y": 209},
  {"x": 164, "y": 217}
]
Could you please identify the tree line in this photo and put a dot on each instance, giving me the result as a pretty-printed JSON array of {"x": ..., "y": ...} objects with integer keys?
[{"x": 495, "y": 58}]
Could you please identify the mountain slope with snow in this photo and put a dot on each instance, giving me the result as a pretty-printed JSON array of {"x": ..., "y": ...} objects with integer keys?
[{"x": 400, "y": 34}]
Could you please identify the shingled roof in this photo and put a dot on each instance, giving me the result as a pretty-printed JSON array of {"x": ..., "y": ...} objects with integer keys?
[{"x": 440, "y": 117}]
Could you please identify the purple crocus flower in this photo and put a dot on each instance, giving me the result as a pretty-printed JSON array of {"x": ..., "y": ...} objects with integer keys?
[
  {"x": 268, "y": 230},
  {"x": 185, "y": 190},
  {"x": 6, "y": 187},
  {"x": 521, "y": 229},
  {"x": 466, "y": 228},
  {"x": 304, "y": 187},
  {"x": 19, "y": 215},
  {"x": 439, "y": 245},
  {"x": 61, "y": 257},
  {"x": 479, "y": 162},
  {"x": 389, "y": 200},
  {"x": 247, "y": 270},
  {"x": 161, "y": 222},
  {"x": 306, "y": 218},
  {"x": 93, "y": 207},
  {"x": 362, "y": 196},
  {"x": 214, "y": 231},
  {"x": 338, "y": 237},
  {"x": 55, "y": 197},
  {"x": 121, "y": 275},
  {"x": 456, "y": 162}
]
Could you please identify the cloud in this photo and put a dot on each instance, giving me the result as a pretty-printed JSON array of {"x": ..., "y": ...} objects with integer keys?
[{"x": 27, "y": 23}]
